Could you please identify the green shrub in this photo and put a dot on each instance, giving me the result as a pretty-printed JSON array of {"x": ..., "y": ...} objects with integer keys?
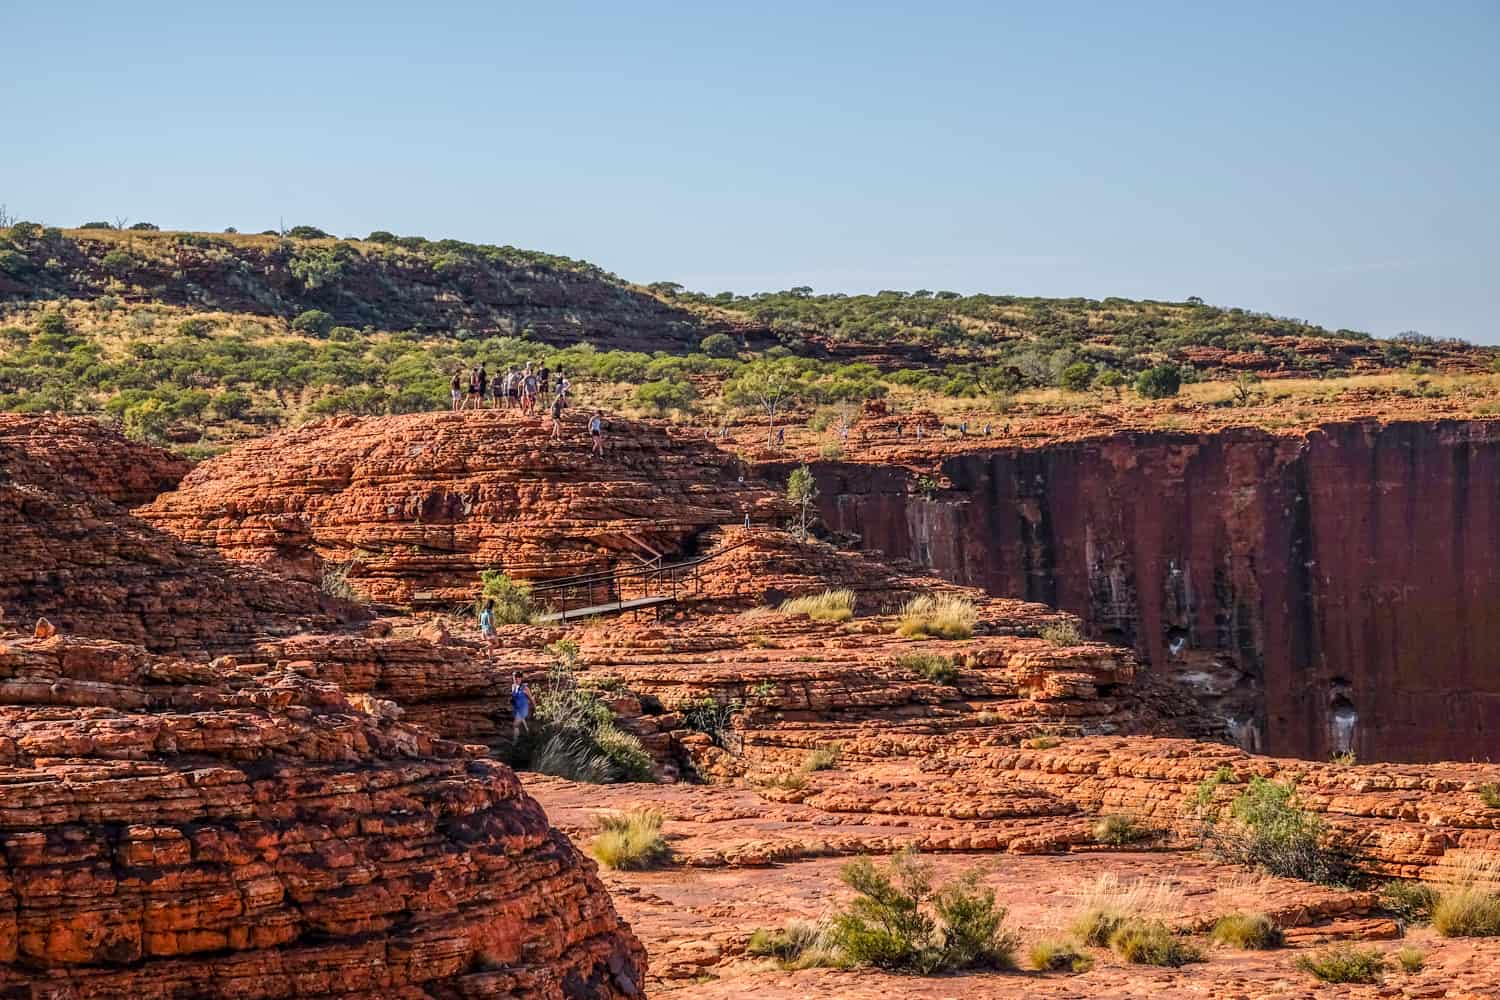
[
  {"x": 1412, "y": 960},
  {"x": 96, "y": 225},
  {"x": 899, "y": 922},
  {"x": 630, "y": 840},
  {"x": 1344, "y": 963},
  {"x": 944, "y": 616},
  {"x": 196, "y": 327},
  {"x": 146, "y": 227},
  {"x": 118, "y": 263},
  {"x": 1159, "y": 382},
  {"x": 1119, "y": 830},
  {"x": 53, "y": 323},
  {"x": 1063, "y": 633},
  {"x": 314, "y": 322},
  {"x": 1077, "y": 376},
  {"x": 719, "y": 345},
  {"x": 1411, "y": 901},
  {"x": 335, "y": 580},
  {"x": 1270, "y": 830},
  {"x": 1058, "y": 955},
  {"x": 1149, "y": 942},
  {"x": 829, "y": 606},
  {"x": 628, "y": 760},
  {"x": 381, "y": 236},
  {"x": 1248, "y": 931},
  {"x": 714, "y": 718},
  {"x": 934, "y": 667},
  {"x": 146, "y": 421},
  {"x": 13, "y": 262},
  {"x": 1469, "y": 912},
  {"x": 513, "y": 601},
  {"x": 1489, "y": 793},
  {"x": 307, "y": 233},
  {"x": 665, "y": 394}
]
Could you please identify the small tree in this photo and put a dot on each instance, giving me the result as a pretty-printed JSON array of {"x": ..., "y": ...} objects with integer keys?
[
  {"x": 772, "y": 384},
  {"x": 802, "y": 490},
  {"x": 1159, "y": 382},
  {"x": 1110, "y": 379},
  {"x": 1244, "y": 388}
]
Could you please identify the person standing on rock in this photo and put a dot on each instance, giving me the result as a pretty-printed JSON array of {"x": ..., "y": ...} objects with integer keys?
[
  {"x": 456, "y": 388},
  {"x": 520, "y": 707},
  {"x": 543, "y": 386},
  {"x": 557, "y": 410},
  {"x": 484, "y": 387},
  {"x": 472, "y": 388},
  {"x": 596, "y": 431}
]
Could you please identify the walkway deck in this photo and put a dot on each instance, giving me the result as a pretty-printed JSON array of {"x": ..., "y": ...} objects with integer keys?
[{"x": 613, "y": 607}]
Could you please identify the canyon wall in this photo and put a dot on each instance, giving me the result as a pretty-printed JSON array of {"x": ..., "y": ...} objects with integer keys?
[{"x": 1334, "y": 590}]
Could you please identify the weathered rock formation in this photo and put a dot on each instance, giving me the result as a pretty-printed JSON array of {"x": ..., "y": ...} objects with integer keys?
[
  {"x": 73, "y": 553},
  {"x": 417, "y": 506},
  {"x": 1328, "y": 591},
  {"x": 173, "y": 829}
]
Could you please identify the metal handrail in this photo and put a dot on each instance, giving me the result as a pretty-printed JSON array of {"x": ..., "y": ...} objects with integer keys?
[
  {"x": 571, "y": 593},
  {"x": 586, "y": 578}
]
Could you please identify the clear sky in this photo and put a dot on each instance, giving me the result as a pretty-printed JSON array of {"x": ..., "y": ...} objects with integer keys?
[{"x": 1335, "y": 161}]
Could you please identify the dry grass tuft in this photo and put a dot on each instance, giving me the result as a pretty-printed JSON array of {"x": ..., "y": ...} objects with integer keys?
[
  {"x": 630, "y": 840},
  {"x": 829, "y": 606},
  {"x": 944, "y": 616}
]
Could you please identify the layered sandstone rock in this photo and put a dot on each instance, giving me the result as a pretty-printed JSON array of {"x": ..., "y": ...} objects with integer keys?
[
  {"x": 417, "y": 506},
  {"x": 173, "y": 829},
  {"x": 74, "y": 554},
  {"x": 1322, "y": 591}
]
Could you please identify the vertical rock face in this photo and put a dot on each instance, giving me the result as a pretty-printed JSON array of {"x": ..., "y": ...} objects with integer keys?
[
  {"x": 175, "y": 829},
  {"x": 1329, "y": 592}
]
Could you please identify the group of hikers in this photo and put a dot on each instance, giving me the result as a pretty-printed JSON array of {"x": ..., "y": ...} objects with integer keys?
[{"x": 523, "y": 389}]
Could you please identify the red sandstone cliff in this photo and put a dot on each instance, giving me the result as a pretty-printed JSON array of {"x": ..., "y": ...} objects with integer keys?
[{"x": 1338, "y": 589}]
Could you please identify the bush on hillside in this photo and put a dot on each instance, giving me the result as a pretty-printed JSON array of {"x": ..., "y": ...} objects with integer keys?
[
  {"x": 1468, "y": 912},
  {"x": 719, "y": 345},
  {"x": 664, "y": 395},
  {"x": 314, "y": 322},
  {"x": 1159, "y": 382},
  {"x": 1150, "y": 942},
  {"x": 1248, "y": 931},
  {"x": 96, "y": 225},
  {"x": 146, "y": 227},
  {"x": 931, "y": 666},
  {"x": 307, "y": 233},
  {"x": 1077, "y": 376}
]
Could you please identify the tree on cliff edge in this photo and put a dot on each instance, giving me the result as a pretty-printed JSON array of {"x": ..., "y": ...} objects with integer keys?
[{"x": 802, "y": 490}]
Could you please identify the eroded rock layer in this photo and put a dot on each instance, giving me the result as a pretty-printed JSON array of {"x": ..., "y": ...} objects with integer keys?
[
  {"x": 72, "y": 552},
  {"x": 172, "y": 829},
  {"x": 417, "y": 506},
  {"x": 1323, "y": 592}
]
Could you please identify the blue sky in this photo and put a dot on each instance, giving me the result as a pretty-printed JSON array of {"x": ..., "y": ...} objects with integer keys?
[{"x": 1338, "y": 162}]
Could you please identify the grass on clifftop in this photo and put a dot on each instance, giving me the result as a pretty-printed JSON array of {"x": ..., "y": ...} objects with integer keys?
[
  {"x": 829, "y": 606},
  {"x": 942, "y": 616},
  {"x": 630, "y": 840}
]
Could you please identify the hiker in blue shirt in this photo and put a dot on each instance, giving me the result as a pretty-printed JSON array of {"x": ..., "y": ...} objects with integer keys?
[{"x": 520, "y": 707}]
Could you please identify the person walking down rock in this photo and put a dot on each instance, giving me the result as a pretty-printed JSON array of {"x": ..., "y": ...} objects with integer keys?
[
  {"x": 596, "y": 431},
  {"x": 520, "y": 707},
  {"x": 487, "y": 622}
]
